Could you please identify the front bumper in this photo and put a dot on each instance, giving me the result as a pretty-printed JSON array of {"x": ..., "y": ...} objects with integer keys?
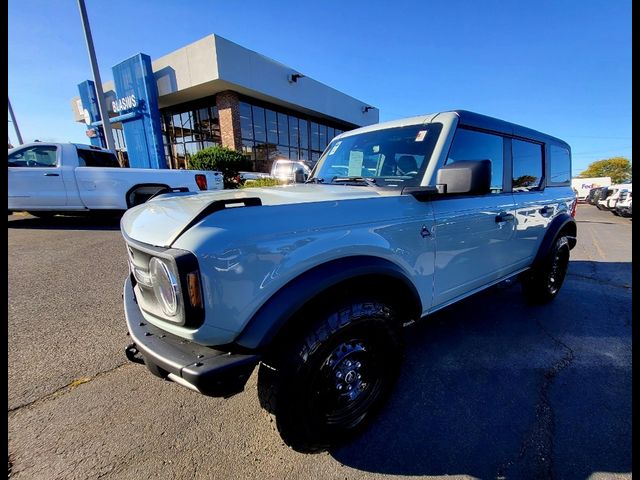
[{"x": 216, "y": 373}]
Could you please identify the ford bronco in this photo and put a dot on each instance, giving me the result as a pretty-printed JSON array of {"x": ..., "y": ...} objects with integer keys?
[{"x": 313, "y": 282}]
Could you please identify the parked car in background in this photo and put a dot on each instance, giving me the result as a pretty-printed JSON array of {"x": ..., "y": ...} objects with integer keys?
[
  {"x": 602, "y": 196},
  {"x": 244, "y": 176},
  {"x": 591, "y": 198},
  {"x": 623, "y": 206},
  {"x": 48, "y": 178},
  {"x": 290, "y": 170},
  {"x": 312, "y": 283},
  {"x": 609, "y": 200}
]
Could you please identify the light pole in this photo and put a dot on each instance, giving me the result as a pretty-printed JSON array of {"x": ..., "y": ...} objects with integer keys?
[
  {"x": 102, "y": 104},
  {"x": 15, "y": 124}
]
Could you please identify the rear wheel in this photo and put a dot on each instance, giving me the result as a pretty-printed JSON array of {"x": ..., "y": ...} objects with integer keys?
[
  {"x": 542, "y": 284},
  {"x": 332, "y": 378}
]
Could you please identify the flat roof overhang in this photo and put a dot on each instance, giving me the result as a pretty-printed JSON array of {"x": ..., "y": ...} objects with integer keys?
[{"x": 214, "y": 64}]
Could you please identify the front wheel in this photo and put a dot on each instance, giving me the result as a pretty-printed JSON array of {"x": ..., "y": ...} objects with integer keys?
[
  {"x": 331, "y": 380},
  {"x": 542, "y": 284}
]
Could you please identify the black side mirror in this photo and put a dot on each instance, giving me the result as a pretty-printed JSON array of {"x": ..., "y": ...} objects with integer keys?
[
  {"x": 299, "y": 176},
  {"x": 472, "y": 177}
]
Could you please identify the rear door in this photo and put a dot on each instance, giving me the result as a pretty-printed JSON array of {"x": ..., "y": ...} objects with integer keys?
[
  {"x": 474, "y": 233},
  {"x": 535, "y": 206},
  {"x": 102, "y": 184},
  {"x": 35, "y": 178}
]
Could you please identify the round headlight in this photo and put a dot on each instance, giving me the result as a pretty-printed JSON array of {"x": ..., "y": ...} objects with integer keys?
[{"x": 165, "y": 286}]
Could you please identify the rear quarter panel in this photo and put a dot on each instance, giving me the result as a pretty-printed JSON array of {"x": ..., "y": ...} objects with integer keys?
[{"x": 106, "y": 188}]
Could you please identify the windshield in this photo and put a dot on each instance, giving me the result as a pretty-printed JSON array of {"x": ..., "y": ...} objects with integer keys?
[{"x": 392, "y": 157}]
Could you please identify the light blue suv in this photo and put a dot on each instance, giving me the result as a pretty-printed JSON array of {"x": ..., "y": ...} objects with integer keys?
[{"x": 314, "y": 282}]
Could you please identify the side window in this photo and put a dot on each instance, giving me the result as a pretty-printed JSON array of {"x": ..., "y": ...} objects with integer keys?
[
  {"x": 472, "y": 145},
  {"x": 94, "y": 158},
  {"x": 37, "y": 156},
  {"x": 560, "y": 165},
  {"x": 527, "y": 165}
]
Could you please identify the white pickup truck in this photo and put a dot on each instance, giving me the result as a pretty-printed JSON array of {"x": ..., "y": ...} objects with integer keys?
[{"x": 47, "y": 178}]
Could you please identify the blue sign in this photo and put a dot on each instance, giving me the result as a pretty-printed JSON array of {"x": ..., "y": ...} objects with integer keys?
[
  {"x": 91, "y": 112},
  {"x": 137, "y": 106}
]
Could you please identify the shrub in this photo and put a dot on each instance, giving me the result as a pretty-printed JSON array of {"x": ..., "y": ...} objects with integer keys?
[
  {"x": 223, "y": 159},
  {"x": 263, "y": 182}
]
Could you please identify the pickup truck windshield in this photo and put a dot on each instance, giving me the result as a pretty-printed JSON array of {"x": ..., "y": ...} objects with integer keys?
[{"x": 392, "y": 157}]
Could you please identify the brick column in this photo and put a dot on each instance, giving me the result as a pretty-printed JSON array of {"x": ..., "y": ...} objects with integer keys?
[{"x": 229, "y": 113}]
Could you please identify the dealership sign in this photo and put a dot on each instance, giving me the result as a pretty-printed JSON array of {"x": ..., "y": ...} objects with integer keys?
[
  {"x": 127, "y": 103},
  {"x": 135, "y": 105}
]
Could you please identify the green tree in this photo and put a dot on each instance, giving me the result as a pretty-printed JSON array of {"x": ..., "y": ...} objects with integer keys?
[
  {"x": 618, "y": 168},
  {"x": 525, "y": 181},
  {"x": 222, "y": 159}
]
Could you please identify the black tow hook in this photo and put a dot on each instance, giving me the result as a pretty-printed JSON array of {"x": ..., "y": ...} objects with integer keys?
[{"x": 133, "y": 354}]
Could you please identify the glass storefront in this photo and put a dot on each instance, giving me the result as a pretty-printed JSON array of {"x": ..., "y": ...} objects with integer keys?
[
  {"x": 267, "y": 132},
  {"x": 270, "y": 133},
  {"x": 189, "y": 128}
]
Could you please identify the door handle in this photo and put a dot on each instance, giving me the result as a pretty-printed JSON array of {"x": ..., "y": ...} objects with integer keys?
[
  {"x": 504, "y": 217},
  {"x": 51, "y": 174}
]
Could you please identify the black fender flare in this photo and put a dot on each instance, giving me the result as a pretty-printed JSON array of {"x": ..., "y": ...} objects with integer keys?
[
  {"x": 139, "y": 185},
  {"x": 561, "y": 223},
  {"x": 274, "y": 314}
]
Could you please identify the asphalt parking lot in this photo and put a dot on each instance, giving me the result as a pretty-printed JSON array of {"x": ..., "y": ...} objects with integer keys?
[{"x": 491, "y": 388}]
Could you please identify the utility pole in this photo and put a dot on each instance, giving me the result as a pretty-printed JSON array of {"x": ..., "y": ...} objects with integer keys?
[
  {"x": 15, "y": 124},
  {"x": 102, "y": 104}
]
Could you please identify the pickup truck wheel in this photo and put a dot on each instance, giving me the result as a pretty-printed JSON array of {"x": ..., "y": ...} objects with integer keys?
[
  {"x": 333, "y": 379},
  {"x": 142, "y": 193},
  {"x": 543, "y": 283}
]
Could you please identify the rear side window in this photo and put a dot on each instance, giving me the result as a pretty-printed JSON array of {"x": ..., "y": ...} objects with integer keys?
[
  {"x": 527, "y": 165},
  {"x": 472, "y": 145},
  {"x": 559, "y": 165},
  {"x": 96, "y": 158}
]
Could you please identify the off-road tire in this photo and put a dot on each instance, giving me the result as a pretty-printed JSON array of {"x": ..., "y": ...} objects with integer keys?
[
  {"x": 296, "y": 384},
  {"x": 543, "y": 282}
]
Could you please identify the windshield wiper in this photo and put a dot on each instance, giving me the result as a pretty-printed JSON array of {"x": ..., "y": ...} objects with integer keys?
[
  {"x": 315, "y": 180},
  {"x": 371, "y": 182}
]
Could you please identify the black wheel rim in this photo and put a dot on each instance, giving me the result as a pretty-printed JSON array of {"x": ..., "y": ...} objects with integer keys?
[
  {"x": 348, "y": 383},
  {"x": 558, "y": 269}
]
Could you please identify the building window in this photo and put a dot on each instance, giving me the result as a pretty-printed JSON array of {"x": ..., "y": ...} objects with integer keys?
[
  {"x": 188, "y": 129},
  {"x": 246, "y": 121},
  {"x": 272, "y": 127},
  {"x": 270, "y": 132},
  {"x": 259, "y": 124}
]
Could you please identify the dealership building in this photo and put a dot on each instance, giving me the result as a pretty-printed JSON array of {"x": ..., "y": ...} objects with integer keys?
[{"x": 215, "y": 92}]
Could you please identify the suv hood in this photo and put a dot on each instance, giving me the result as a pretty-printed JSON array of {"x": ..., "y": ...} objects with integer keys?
[{"x": 157, "y": 221}]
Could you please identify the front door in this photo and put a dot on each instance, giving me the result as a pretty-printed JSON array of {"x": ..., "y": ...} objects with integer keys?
[
  {"x": 35, "y": 178},
  {"x": 473, "y": 234},
  {"x": 473, "y": 243}
]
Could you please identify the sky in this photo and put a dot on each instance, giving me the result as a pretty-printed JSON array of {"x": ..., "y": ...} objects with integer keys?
[{"x": 559, "y": 66}]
